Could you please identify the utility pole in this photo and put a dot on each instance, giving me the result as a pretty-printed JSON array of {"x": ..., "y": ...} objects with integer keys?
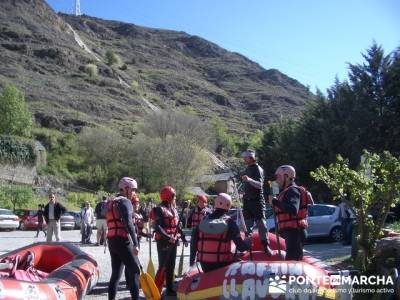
[{"x": 77, "y": 9}]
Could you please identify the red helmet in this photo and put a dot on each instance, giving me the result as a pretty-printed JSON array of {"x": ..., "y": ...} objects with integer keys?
[
  {"x": 127, "y": 182},
  {"x": 167, "y": 193},
  {"x": 202, "y": 198}
]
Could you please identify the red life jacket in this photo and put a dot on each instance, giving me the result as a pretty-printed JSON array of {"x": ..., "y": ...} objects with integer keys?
[
  {"x": 114, "y": 224},
  {"x": 198, "y": 215},
  {"x": 286, "y": 220},
  {"x": 138, "y": 221},
  {"x": 214, "y": 247},
  {"x": 170, "y": 221}
]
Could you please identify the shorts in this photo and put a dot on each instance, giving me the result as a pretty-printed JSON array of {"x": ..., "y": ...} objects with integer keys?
[{"x": 101, "y": 224}]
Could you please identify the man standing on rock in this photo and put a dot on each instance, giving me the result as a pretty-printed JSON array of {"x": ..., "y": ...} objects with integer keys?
[
  {"x": 52, "y": 214},
  {"x": 253, "y": 198}
]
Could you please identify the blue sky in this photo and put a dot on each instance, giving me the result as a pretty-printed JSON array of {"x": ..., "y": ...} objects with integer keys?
[{"x": 310, "y": 40}]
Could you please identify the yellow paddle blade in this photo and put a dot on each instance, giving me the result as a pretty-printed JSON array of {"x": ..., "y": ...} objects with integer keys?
[
  {"x": 149, "y": 288},
  {"x": 150, "y": 269}
]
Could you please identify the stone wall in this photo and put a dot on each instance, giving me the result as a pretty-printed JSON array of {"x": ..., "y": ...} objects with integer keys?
[{"x": 18, "y": 174}]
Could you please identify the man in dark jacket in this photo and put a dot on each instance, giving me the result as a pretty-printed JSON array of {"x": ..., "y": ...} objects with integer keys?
[
  {"x": 52, "y": 214},
  {"x": 253, "y": 198}
]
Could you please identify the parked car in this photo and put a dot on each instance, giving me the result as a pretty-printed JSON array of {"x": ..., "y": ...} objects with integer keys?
[
  {"x": 8, "y": 220},
  {"x": 27, "y": 219},
  {"x": 77, "y": 218},
  {"x": 67, "y": 221},
  {"x": 323, "y": 221}
]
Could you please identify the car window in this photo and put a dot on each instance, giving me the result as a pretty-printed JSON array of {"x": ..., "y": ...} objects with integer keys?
[
  {"x": 32, "y": 213},
  {"x": 6, "y": 212},
  {"x": 320, "y": 210}
]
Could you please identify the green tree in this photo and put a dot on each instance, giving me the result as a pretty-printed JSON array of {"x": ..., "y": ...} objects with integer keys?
[
  {"x": 17, "y": 196},
  {"x": 373, "y": 186},
  {"x": 15, "y": 118},
  {"x": 361, "y": 113}
]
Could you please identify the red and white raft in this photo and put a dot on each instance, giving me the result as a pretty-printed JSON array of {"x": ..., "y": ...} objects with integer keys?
[
  {"x": 258, "y": 276},
  {"x": 50, "y": 271}
]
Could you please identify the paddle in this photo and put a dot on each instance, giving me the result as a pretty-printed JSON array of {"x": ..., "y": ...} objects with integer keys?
[
  {"x": 150, "y": 265},
  {"x": 147, "y": 283},
  {"x": 180, "y": 266},
  {"x": 245, "y": 229},
  {"x": 275, "y": 192}
]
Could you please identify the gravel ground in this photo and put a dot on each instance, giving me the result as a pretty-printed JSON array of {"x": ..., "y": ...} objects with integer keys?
[{"x": 16, "y": 239}]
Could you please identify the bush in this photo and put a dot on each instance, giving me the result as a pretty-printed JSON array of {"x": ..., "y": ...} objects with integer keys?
[
  {"x": 91, "y": 70},
  {"x": 17, "y": 150},
  {"x": 75, "y": 200},
  {"x": 16, "y": 118},
  {"x": 112, "y": 58}
]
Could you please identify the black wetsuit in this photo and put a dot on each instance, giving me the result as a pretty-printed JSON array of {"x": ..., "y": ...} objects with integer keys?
[
  {"x": 233, "y": 234},
  {"x": 294, "y": 237},
  {"x": 121, "y": 251},
  {"x": 166, "y": 251},
  {"x": 254, "y": 203}
]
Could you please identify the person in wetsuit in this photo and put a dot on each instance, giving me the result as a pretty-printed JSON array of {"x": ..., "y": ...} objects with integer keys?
[
  {"x": 212, "y": 239},
  {"x": 253, "y": 198},
  {"x": 167, "y": 230},
  {"x": 122, "y": 239}
]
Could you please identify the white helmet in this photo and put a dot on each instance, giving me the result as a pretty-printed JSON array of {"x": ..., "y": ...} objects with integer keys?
[
  {"x": 223, "y": 201},
  {"x": 286, "y": 170},
  {"x": 127, "y": 182}
]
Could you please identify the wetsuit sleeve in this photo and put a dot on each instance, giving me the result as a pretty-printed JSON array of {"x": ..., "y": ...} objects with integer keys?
[
  {"x": 126, "y": 210},
  {"x": 290, "y": 203},
  {"x": 159, "y": 224},
  {"x": 193, "y": 245},
  {"x": 234, "y": 233}
]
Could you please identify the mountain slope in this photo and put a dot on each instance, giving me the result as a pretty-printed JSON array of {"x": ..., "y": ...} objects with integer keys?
[{"x": 45, "y": 55}]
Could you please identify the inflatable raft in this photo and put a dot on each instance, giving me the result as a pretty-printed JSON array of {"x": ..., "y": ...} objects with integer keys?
[
  {"x": 258, "y": 276},
  {"x": 50, "y": 271}
]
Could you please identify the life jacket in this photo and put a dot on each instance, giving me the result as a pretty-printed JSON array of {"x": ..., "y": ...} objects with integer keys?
[
  {"x": 198, "y": 214},
  {"x": 138, "y": 220},
  {"x": 170, "y": 221},
  {"x": 114, "y": 223},
  {"x": 299, "y": 220},
  {"x": 213, "y": 244}
]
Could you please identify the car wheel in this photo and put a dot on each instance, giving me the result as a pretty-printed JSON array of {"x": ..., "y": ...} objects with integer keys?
[
  {"x": 22, "y": 226},
  {"x": 336, "y": 234}
]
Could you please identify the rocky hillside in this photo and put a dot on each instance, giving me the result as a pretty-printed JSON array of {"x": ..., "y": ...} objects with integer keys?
[{"x": 46, "y": 54}]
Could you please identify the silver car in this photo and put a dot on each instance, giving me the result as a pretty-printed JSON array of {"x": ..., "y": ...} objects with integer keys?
[
  {"x": 8, "y": 220},
  {"x": 323, "y": 221}
]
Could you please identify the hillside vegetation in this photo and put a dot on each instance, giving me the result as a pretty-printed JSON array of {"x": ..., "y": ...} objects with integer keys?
[{"x": 83, "y": 71}]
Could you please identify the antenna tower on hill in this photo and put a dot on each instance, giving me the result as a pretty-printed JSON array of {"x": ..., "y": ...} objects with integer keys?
[{"x": 77, "y": 9}]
